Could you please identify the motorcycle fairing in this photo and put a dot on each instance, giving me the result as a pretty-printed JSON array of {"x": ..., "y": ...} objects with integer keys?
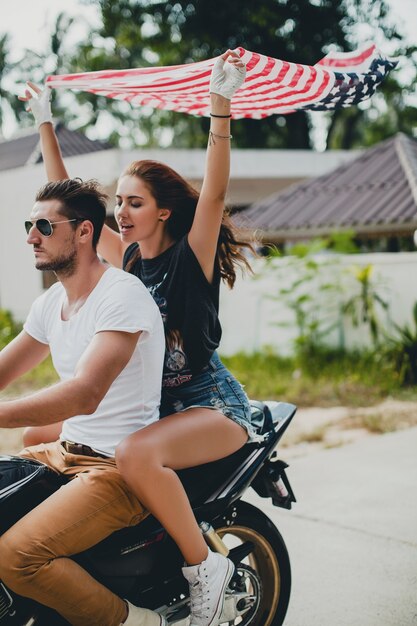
[{"x": 24, "y": 483}]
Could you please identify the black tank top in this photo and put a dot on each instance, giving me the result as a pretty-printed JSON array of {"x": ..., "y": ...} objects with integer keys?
[{"x": 189, "y": 306}]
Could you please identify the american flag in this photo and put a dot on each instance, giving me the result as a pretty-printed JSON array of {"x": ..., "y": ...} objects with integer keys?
[{"x": 271, "y": 87}]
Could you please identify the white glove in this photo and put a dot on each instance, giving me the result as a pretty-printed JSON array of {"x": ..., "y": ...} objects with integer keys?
[
  {"x": 39, "y": 103},
  {"x": 227, "y": 76}
]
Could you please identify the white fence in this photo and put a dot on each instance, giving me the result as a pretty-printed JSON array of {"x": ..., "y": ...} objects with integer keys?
[{"x": 254, "y": 314}]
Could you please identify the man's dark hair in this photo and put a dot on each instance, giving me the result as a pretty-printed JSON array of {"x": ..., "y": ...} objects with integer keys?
[{"x": 78, "y": 199}]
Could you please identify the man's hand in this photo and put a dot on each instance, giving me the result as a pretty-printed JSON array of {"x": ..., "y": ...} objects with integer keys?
[
  {"x": 228, "y": 74},
  {"x": 38, "y": 102}
]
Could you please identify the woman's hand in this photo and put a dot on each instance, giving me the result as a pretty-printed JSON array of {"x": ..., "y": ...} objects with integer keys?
[
  {"x": 228, "y": 75},
  {"x": 39, "y": 103}
]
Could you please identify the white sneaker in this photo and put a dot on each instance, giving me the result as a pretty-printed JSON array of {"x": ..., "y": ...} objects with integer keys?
[
  {"x": 208, "y": 582},
  {"x": 143, "y": 617}
]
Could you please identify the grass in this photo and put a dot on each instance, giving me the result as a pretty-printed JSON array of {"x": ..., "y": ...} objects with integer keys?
[
  {"x": 331, "y": 379},
  {"x": 380, "y": 423},
  {"x": 317, "y": 435},
  {"x": 325, "y": 379}
]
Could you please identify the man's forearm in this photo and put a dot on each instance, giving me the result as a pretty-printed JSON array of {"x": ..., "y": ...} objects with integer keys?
[{"x": 54, "y": 404}]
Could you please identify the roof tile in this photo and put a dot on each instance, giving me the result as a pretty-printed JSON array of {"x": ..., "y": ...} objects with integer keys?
[
  {"x": 377, "y": 189},
  {"x": 26, "y": 149}
]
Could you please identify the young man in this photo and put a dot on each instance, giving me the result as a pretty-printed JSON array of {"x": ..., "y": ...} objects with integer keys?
[{"x": 106, "y": 338}]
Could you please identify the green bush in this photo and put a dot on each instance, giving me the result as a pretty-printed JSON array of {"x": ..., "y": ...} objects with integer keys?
[
  {"x": 402, "y": 347},
  {"x": 322, "y": 295},
  {"x": 325, "y": 378},
  {"x": 9, "y": 328},
  {"x": 41, "y": 376}
]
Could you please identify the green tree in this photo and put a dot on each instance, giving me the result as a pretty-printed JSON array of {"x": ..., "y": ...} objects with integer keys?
[
  {"x": 8, "y": 102},
  {"x": 56, "y": 58},
  {"x": 167, "y": 32},
  {"x": 140, "y": 33}
]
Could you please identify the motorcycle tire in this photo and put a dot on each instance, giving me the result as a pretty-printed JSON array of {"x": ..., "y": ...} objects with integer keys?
[{"x": 269, "y": 562}]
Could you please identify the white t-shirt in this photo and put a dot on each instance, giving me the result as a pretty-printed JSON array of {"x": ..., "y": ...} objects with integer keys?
[{"x": 118, "y": 302}]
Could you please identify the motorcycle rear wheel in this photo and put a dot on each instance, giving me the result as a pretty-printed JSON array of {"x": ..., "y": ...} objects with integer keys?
[{"x": 269, "y": 560}]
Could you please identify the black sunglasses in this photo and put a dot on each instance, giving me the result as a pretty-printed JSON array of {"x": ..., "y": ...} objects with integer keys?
[{"x": 44, "y": 226}]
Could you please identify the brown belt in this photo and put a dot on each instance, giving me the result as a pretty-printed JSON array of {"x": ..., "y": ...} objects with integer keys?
[{"x": 80, "y": 448}]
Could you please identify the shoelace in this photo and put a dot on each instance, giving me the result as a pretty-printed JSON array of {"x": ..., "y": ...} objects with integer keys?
[{"x": 198, "y": 597}]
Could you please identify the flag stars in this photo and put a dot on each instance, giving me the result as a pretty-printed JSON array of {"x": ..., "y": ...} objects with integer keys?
[{"x": 335, "y": 91}]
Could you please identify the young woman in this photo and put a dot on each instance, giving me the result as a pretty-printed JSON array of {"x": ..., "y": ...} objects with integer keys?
[{"x": 181, "y": 245}]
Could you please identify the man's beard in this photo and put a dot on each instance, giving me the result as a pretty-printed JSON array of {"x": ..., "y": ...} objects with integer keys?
[{"x": 63, "y": 265}]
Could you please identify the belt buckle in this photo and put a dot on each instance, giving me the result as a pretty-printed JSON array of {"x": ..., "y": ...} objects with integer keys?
[
  {"x": 72, "y": 448},
  {"x": 81, "y": 449}
]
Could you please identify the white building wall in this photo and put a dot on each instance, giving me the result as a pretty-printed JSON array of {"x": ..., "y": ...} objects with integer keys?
[
  {"x": 20, "y": 283},
  {"x": 252, "y": 320}
]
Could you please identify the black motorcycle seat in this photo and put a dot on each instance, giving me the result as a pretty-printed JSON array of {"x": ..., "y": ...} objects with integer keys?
[{"x": 25, "y": 483}]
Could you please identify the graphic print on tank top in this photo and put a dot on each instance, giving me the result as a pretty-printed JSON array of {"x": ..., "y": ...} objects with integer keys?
[
  {"x": 176, "y": 369},
  {"x": 188, "y": 305}
]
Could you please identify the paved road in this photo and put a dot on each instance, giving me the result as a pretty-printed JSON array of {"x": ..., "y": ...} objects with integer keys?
[{"x": 352, "y": 535}]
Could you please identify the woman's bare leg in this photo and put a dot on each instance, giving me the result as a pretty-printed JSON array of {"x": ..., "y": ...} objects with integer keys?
[
  {"x": 34, "y": 435},
  {"x": 147, "y": 460}
]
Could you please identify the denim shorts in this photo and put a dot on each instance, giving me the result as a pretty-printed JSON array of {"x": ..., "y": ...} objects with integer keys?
[{"x": 213, "y": 388}]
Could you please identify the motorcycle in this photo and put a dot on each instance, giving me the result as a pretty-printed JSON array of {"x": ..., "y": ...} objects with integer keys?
[{"x": 143, "y": 564}]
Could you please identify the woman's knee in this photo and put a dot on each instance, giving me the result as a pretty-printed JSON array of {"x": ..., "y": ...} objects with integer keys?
[{"x": 135, "y": 452}]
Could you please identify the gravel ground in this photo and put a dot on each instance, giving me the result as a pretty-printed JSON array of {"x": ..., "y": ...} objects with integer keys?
[{"x": 317, "y": 428}]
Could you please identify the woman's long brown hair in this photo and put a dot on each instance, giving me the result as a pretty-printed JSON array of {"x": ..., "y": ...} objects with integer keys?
[{"x": 173, "y": 192}]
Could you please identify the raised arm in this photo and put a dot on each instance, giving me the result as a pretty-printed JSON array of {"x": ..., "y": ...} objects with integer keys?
[
  {"x": 227, "y": 76},
  {"x": 38, "y": 101},
  {"x": 107, "y": 355}
]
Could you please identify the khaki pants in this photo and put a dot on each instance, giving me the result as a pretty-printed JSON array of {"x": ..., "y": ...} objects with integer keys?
[{"x": 33, "y": 553}]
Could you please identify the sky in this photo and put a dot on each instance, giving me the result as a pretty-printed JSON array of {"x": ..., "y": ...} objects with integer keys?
[{"x": 39, "y": 16}]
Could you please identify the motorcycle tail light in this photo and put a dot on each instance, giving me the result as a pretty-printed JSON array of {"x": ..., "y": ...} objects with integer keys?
[
  {"x": 272, "y": 482},
  {"x": 280, "y": 487}
]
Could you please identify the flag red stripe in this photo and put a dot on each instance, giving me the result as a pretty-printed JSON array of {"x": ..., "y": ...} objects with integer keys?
[
  {"x": 348, "y": 59},
  {"x": 271, "y": 87}
]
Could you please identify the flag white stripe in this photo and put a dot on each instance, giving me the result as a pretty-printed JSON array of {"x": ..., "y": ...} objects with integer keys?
[{"x": 272, "y": 86}]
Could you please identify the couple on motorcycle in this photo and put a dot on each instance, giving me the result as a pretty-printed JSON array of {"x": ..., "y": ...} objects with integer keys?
[{"x": 104, "y": 332}]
